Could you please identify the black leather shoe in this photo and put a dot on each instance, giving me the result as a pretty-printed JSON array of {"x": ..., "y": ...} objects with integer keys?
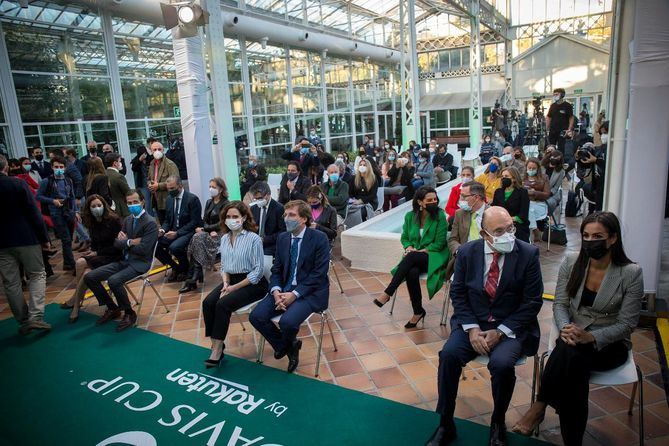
[
  {"x": 108, "y": 315},
  {"x": 497, "y": 434},
  {"x": 128, "y": 321},
  {"x": 280, "y": 354},
  {"x": 187, "y": 287},
  {"x": 294, "y": 356},
  {"x": 442, "y": 436}
]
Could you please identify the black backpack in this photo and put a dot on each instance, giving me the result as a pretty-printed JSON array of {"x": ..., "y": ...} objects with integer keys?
[{"x": 573, "y": 204}]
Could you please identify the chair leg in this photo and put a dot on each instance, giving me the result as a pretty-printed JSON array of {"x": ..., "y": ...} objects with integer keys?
[
  {"x": 261, "y": 349},
  {"x": 535, "y": 388},
  {"x": 132, "y": 294},
  {"x": 392, "y": 306},
  {"x": 319, "y": 342},
  {"x": 446, "y": 305},
  {"x": 327, "y": 321},
  {"x": 632, "y": 396},
  {"x": 141, "y": 298},
  {"x": 332, "y": 266},
  {"x": 641, "y": 407},
  {"x": 549, "y": 235},
  {"x": 535, "y": 371},
  {"x": 167, "y": 310}
]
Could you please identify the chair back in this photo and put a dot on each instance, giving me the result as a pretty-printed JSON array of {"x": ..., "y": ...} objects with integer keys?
[
  {"x": 457, "y": 155},
  {"x": 267, "y": 266},
  {"x": 274, "y": 179},
  {"x": 380, "y": 198},
  {"x": 153, "y": 261}
]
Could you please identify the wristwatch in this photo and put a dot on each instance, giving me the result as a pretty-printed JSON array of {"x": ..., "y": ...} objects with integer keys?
[{"x": 500, "y": 333}]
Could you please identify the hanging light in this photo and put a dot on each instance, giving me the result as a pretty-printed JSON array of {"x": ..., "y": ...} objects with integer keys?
[{"x": 185, "y": 16}]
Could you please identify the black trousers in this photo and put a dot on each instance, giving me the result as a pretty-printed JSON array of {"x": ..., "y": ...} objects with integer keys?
[
  {"x": 565, "y": 382},
  {"x": 409, "y": 269},
  {"x": 177, "y": 247},
  {"x": 116, "y": 274},
  {"x": 217, "y": 310}
]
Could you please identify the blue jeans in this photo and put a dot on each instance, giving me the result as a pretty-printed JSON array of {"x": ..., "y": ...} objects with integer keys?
[
  {"x": 81, "y": 232},
  {"x": 62, "y": 225},
  {"x": 417, "y": 182}
]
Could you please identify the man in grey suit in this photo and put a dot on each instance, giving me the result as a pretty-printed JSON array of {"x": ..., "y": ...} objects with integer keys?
[
  {"x": 118, "y": 186},
  {"x": 137, "y": 240},
  {"x": 472, "y": 205}
]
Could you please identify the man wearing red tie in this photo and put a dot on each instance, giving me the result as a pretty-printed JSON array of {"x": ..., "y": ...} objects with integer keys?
[{"x": 496, "y": 293}]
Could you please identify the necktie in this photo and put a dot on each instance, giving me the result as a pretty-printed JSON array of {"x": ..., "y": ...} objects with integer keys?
[
  {"x": 473, "y": 228},
  {"x": 177, "y": 209},
  {"x": 130, "y": 236},
  {"x": 261, "y": 229},
  {"x": 293, "y": 262},
  {"x": 493, "y": 277}
]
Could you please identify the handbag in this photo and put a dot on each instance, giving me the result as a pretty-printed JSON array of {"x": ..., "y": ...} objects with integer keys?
[{"x": 558, "y": 235}]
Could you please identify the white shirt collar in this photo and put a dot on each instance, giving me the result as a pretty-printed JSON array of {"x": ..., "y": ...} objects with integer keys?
[
  {"x": 140, "y": 215},
  {"x": 181, "y": 194},
  {"x": 301, "y": 234}
]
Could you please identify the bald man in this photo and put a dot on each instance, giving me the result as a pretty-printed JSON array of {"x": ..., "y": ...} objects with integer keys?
[
  {"x": 159, "y": 169},
  {"x": 496, "y": 293}
]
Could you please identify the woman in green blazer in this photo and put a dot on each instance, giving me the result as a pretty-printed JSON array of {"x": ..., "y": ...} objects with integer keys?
[{"x": 425, "y": 250}]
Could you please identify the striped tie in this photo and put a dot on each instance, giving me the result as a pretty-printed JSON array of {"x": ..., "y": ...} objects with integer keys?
[{"x": 493, "y": 277}]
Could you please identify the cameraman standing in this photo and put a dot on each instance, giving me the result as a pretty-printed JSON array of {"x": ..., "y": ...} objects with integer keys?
[{"x": 559, "y": 120}]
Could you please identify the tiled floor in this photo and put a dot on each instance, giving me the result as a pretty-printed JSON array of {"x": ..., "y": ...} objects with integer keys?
[{"x": 376, "y": 355}]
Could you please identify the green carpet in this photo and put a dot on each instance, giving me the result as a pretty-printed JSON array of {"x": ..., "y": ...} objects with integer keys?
[{"x": 82, "y": 385}]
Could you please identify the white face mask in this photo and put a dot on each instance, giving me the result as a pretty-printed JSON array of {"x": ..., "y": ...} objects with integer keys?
[
  {"x": 362, "y": 169},
  {"x": 466, "y": 180},
  {"x": 260, "y": 203},
  {"x": 158, "y": 154},
  {"x": 504, "y": 243},
  {"x": 507, "y": 157},
  {"x": 464, "y": 205},
  {"x": 213, "y": 192},
  {"x": 556, "y": 98},
  {"x": 605, "y": 138},
  {"x": 234, "y": 224},
  {"x": 98, "y": 211}
]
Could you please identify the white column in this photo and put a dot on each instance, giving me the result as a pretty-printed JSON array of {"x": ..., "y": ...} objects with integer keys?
[
  {"x": 10, "y": 104},
  {"x": 248, "y": 104},
  {"x": 326, "y": 112},
  {"x": 116, "y": 93},
  {"x": 192, "y": 88},
  {"x": 647, "y": 156},
  {"x": 291, "y": 106},
  {"x": 475, "y": 111},
  {"x": 226, "y": 155}
]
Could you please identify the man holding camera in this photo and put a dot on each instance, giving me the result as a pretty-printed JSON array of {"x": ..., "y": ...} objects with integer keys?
[{"x": 559, "y": 120}]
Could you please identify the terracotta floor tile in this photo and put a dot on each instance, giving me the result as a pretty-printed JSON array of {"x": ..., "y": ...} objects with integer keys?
[
  {"x": 419, "y": 370},
  {"x": 345, "y": 367},
  {"x": 406, "y": 355},
  {"x": 359, "y": 334},
  {"x": 387, "y": 377},
  {"x": 377, "y": 361},
  {"x": 186, "y": 325},
  {"x": 402, "y": 394},
  {"x": 184, "y": 315},
  {"x": 609, "y": 398},
  {"x": 359, "y": 381},
  {"x": 351, "y": 322},
  {"x": 428, "y": 388},
  {"x": 396, "y": 341},
  {"x": 423, "y": 336},
  {"x": 365, "y": 347}
]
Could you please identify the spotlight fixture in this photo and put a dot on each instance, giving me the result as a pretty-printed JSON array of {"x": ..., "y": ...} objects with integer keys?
[{"x": 186, "y": 16}]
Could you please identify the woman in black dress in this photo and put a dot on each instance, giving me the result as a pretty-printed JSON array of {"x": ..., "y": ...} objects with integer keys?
[
  {"x": 513, "y": 197},
  {"x": 206, "y": 242},
  {"x": 103, "y": 225}
]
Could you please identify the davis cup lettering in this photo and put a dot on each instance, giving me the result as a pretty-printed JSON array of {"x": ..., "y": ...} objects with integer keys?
[
  {"x": 194, "y": 424},
  {"x": 217, "y": 389}
]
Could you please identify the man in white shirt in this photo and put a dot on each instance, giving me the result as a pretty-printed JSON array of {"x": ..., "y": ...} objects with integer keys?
[{"x": 496, "y": 293}]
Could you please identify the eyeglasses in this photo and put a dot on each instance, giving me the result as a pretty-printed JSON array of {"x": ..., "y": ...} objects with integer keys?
[{"x": 501, "y": 231}]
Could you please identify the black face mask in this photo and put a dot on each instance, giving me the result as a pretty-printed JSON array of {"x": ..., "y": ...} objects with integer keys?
[
  {"x": 506, "y": 182},
  {"x": 292, "y": 176},
  {"x": 595, "y": 249},
  {"x": 517, "y": 156},
  {"x": 432, "y": 209},
  {"x": 39, "y": 157}
]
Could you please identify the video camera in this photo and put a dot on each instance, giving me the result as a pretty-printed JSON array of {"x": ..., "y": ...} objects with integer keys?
[{"x": 584, "y": 152}]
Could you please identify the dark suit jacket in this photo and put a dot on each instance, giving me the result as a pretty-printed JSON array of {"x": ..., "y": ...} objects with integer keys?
[
  {"x": 22, "y": 223},
  {"x": 139, "y": 256},
  {"x": 306, "y": 161},
  {"x": 518, "y": 205},
  {"x": 519, "y": 293},
  {"x": 327, "y": 222},
  {"x": 313, "y": 265},
  {"x": 74, "y": 174},
  {"x": 118, "y": 187},
  {"x": 298, "y": 193},
  {"x": 211, "y": 220},
  {"x": 46, "y": 169},
  {"x": 274, "y": 225},
  {"x": 189, "y": 218}
]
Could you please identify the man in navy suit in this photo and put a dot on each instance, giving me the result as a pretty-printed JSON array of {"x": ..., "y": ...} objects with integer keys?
[
  {"x": 268, "y": 215},
  {"x": 496, "y": 293},
  {"x": 183, "y": 215},
  {"x": 299, "y": 284},
  {"x": 39, "y": 165}
]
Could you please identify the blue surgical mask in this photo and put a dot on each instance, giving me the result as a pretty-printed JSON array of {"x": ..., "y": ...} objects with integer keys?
[
  {"x": 304, "y": 150},
  {"x": 391, "y": 158},
  {"x": 135, "y": 209},
  {"x": 464, "y": 205},
  {"x": 291, "y": 224},
  {"x": 252, "y": 164},
  {"x": 493, "y": 168},
  {"x": 27, "y": 167},
  {"x": 531, "y": 172},
  {"x": 334, "y": 177},
  {"x": 59, "y": 172}
]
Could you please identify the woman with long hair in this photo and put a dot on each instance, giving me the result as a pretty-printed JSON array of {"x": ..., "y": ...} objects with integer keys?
[
  {"x": 553, "y": 164},
  {"x": 538, "y": 189},
  {"x": 97, "y": 182},
  {"x": 491, "y": 178},
  {"x": 324, "y": 215},
  {"x": 363, "y": 192},
  {"x": 391, "y": 160},
  {"x": 424, "y": 174},
  {"x": 597, "y": 305},
  {"x": 513, "y": 197},
  {"x": 425, "y": 251},
  {"x": 103, "y": 225},
  {"x": 399, "y": 183},
  {"x": 204, "y": 245},
  {"x": 242, "y": 272}
]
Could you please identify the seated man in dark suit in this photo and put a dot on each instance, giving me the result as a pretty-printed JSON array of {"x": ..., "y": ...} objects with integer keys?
[
  {"x": 293, "y": 185},
  {"x": 299, "y": 284},
  {"x": 268, "y": 215},
  {"x": 137, "y": 240},
  {"x": 497, "y": 293},
  {"x": 183, "y": 215}
]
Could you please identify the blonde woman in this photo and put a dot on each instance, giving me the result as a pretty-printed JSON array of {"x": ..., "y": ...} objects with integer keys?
[
  {"x": 363, "y": 193},
  {"x": 491, "y": 178}
]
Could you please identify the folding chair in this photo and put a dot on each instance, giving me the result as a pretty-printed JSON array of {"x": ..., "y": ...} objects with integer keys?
[
  {"x": 145, "y": 278},
  {"x": 334, "y": 270},
  {"x": 325, "y": 318},
  {"x": 267, "y": 273},
  {"x": 484, "y": 360},
  {"x": 628, "y": 373}
]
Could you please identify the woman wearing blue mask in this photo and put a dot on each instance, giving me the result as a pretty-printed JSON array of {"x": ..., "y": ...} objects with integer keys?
[
  {"x": 492, "y": 177},
  {"x": 336, "y": 191},
  {"x": 538, "y": 188}
]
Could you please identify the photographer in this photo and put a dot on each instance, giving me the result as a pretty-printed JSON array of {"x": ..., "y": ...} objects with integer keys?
[
  {"x": 302, "y": 154},
  {"x": 560, "y": 119},
  {"x": 590, "y": 168}
]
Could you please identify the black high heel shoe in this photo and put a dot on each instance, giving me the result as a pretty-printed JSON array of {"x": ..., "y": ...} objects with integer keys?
[
  {"x": 380, "y": 304},
  {"x": 210, "y": 363},
  {"x": 413, "y": 324}
]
